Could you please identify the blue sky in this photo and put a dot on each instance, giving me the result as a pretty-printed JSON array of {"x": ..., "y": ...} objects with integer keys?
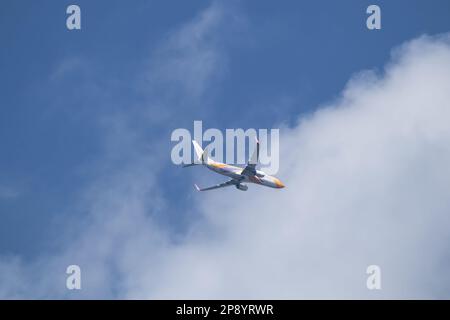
[{"x": 66, "y": 96}]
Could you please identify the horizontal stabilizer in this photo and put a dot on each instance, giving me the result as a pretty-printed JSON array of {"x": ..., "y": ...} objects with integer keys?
[{"x": 190, "y": 165}]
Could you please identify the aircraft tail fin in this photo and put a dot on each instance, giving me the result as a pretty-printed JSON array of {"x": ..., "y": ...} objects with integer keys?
[{"x": 202, "y": 155}]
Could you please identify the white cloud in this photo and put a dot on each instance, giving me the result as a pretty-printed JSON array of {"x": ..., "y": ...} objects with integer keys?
[{"x": 367, "y": 183}]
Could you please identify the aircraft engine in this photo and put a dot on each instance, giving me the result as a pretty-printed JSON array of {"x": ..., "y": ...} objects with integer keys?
[{"x": 241, "y": 187}]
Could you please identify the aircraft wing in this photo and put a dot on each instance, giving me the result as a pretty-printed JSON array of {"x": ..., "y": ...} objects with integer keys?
[
  {"x": 231, "y": 182},
  {"x": 250, "y": 169}
]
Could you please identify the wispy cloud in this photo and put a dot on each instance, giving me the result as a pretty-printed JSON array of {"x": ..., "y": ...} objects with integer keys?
[
  {"x": 123, "y": 199},
  {"x": 8, "y": 192},
  {"x": 193, "y": 58}
]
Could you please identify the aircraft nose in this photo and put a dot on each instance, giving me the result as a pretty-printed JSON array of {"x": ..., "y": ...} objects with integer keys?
[{"x": 279, "y": 184}]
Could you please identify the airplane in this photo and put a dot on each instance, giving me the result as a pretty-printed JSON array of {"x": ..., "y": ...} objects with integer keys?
[{"x": 238, "y": 175}]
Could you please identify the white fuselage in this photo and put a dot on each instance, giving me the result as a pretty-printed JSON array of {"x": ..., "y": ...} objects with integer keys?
[{"x": 235, "y": 173}]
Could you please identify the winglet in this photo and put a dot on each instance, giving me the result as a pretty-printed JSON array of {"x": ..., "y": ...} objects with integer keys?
[
  {"x": 196, "y": 187},
  {"x": 255, "y": 157}
]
